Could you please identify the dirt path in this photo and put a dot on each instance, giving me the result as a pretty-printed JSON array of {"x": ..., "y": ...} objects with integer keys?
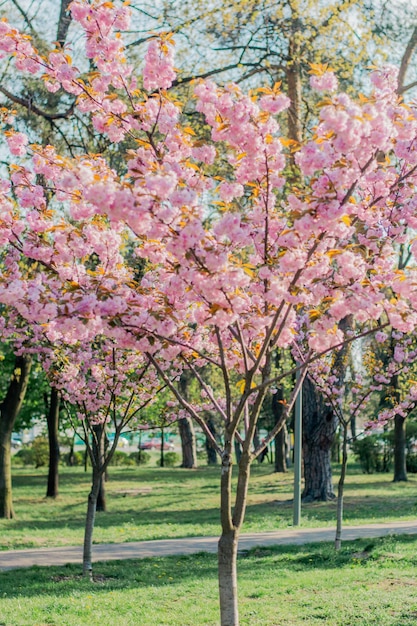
[{"x": 140, "y": 549}]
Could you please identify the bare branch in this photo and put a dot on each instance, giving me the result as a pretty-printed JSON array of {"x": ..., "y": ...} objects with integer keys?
[
  {"x": 185, "y": 404},
  {"x": 406, "y": 59},
  {"x": 25, "y": 17},
  {"x": 28, "y": 104}
]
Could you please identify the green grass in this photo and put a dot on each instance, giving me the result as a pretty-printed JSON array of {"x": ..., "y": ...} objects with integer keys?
[
  {"x": 367, "y": 583},
  {"x": 155, "y": 503}
]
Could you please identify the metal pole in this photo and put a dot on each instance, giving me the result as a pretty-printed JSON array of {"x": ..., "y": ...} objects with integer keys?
[{"x": 298, "y": 426}]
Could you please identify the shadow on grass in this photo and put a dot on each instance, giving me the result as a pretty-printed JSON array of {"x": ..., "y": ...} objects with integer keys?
[{"x": 162, "y": 572}]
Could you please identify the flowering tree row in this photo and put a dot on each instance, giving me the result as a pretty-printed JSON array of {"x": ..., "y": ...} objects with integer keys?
[{"x": 240, "y": 257}]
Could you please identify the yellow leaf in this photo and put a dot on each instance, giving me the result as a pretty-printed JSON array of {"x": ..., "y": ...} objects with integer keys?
[
  {"x": 314, "y": 314},
  {"x": 333, "y": 253},
  {"x": 318, "y": 69},
  {"x": 241, "y": 385}
]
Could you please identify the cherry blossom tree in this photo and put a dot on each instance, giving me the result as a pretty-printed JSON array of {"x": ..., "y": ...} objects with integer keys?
[
  {"x": 349, "y": 396},
  {"x": 239, "y": 260}
]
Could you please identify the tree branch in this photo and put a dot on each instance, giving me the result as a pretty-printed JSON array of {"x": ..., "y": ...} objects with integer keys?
[
  {"x": 64, "y": 22},
  {"x": 28, "y": 104},
  {"x": 405, "y": 61}
]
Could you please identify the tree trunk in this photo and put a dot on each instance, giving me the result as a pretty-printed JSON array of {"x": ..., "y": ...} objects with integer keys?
[
  {"x": 63, "y": 22},
  {"x": 186, "y": 430},
  {"x": 340, "y": 491},
  {"x": 293, "y": 73},
  {"x": 52, "y": 418},
  {"x": 319, "y": 424},
  {"x": 228, "y": 542},
  {"x": 101, "y": 505},
  {"x": 9, "y": 410},
  {"x": 281, "y": 440},
  {"x": 227, "y": 557},
  {"x": 281, "y": 450},
  {"x": 98, "y": 446},
  {"x": 161, "y": 456},
  {"x": 188, "y": 443},
  {"x": 89, "y": 524},
  {"x": 400, "y": 469},
  {"x": 353, "y": 427},
  {"x": 211, "y": 451}
]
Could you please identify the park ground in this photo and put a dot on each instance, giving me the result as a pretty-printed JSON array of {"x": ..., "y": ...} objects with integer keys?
[{"x": 370, "y": 581}]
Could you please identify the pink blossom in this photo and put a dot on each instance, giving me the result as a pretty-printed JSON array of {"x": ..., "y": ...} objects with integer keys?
[
  {"x": 274, "y": 104},
  {"x": 158, "y": 72},
  {"x": 229, "y": 191},
  {"x": 17, "y": 143},
  {"x": 325, "y": 82}
]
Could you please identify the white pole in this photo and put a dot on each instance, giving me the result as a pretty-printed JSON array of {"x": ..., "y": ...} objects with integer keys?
[{"x": 298, "y": 435}]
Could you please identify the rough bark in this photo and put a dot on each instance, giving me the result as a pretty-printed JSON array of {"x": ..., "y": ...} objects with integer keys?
[
  {"x": 52, "y": 419},
  {"x": 281, "y": 440},
  {"x": 400, "y": 468},
  {"x": 9, "y": 410},
  {"x": 210, "y": 449},
  {"x": 319, "y": 425},
  {"x": 281, "y": 450},
  {"x": 98, "y": 452},
  {"x": 186, "y": 430},
  {"x": 188, "y": 443},
  {"x": 63, "y": 22}
]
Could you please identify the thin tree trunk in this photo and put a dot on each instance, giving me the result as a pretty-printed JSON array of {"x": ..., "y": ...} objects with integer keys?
[
  {"x": 227, "y": 559},
  {"x": 52, "y": 418},
  {"x": 340, "y": 490},
  {"x": 400, "y": 468},
  {"x": 353, "y": 427},
  {"x": 227, "y": 546},
  {"x": 161, "y": 456},
  {"x": 9, "y": 410},
  {"x": 6, "y": 499},
  {"x": 99, "y": 438},
  {"x": 89, "y": 525}
]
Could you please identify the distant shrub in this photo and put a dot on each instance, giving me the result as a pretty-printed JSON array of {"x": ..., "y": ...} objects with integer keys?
[
  {"x": 411, "y": 462},
  {"x": 374, "y": 453},
  {"x": 120, "y": 458},
  {"x": 171, "y": 459},
  {"x": 40, "y": 449},
  {"x": 17, "y": 460},
  {"x": 74, "y": 458},
  {"x": 24, "y": 456},
  {"x": 141, "y": 457},
  {"x": 37, "y": 453}
]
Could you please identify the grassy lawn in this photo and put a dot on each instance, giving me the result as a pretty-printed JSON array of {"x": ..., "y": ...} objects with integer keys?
[
  {"x": 152, "y": 503},
  {"x": 368, "y": 582}
]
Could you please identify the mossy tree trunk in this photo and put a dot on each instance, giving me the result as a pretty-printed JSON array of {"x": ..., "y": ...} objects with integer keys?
[{"x": 9, "y": 410}]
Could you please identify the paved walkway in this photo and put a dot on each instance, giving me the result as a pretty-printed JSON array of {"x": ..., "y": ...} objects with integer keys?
[{"x": 139, "y": 549}]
